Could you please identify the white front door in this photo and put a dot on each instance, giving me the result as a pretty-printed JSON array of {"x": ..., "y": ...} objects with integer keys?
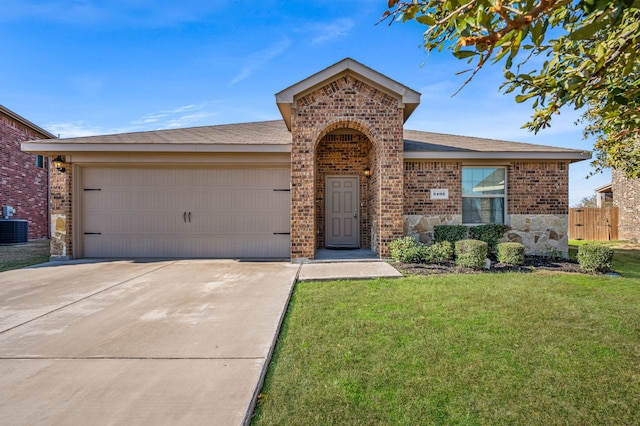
[{"x": 342, "y": 211}]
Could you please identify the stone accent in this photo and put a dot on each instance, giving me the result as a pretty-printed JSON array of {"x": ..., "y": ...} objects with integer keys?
[
  {"x": 346, "y": 103},
  {"x": 540, "y": 233},
  {"x": 626, "y": 196},
  {"x": 61, "y": 214},
  {"x": 421, "y": 227},
  {"x": 23, "y": 185}
]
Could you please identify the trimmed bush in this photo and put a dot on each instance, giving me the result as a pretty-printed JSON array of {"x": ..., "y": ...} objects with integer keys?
[
  {"x": 595, "y": 257},
  {"x": 406, "y": 249},
  {"x": 471, "y": 253},
  {"x": 451, "y": 233},
  {"x": 511, "y": 253},
  {"x": 441, "y": 252},
  {"x": 489, "y": 233}
]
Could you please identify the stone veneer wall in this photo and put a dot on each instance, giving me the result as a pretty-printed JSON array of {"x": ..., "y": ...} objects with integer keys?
[
  {"x": 61, "y": 217},
  {"x": 537, "y": 202},
  {"x": 23, "y": 185},
  {"x": 626, "y": 196},
  {"x": 348, "y": 155},
  {"x": 346, "y": 102}
]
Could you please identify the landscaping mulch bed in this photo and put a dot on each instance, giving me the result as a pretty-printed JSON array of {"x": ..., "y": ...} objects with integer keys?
[{"x": 531, "y": 264}]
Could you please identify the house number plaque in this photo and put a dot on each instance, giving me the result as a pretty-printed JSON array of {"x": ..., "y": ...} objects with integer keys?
[{"x": 439, "y": 194}]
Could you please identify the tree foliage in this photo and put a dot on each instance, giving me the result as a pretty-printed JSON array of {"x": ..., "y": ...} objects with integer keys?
[{"x": 556, "y": 53}]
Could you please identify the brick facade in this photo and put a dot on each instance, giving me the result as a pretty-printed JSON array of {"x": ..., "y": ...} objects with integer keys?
[
  {"x": 537, "y": 201},
  {"x": 23, "y": 185},
  {"x": 626, "y": 196},
  {"x": 422, "y": 176},
  {"x": 538, "y": 187},
  {"x": 346, "y": 103}
]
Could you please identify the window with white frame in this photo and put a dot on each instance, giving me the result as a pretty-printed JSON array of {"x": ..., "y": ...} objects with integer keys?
[
  {"x": 40, "y": 161},
  {"x": 483, "y": 195}
]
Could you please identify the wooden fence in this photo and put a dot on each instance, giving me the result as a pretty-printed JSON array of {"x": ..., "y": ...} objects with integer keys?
[{"x": 596, "y": 224}]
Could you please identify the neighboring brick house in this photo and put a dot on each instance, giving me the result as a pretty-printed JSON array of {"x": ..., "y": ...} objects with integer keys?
[
  {"x": 626, "y": 196},
  {"x": 24, "y": 176},
  {"x": 338, "y": 171}
]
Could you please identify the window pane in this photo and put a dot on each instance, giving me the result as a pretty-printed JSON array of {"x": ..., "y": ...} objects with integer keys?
[
  {"x": 483, "y": 210},
  {"x": 483, "y": 181}
]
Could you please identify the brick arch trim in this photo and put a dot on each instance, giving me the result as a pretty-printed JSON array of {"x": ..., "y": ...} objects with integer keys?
[{"x": 342, "y": 123}]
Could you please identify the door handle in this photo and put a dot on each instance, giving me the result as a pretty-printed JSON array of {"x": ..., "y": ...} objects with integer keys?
[
  {"x": 189, "y": 217},
  {"x": 184, "y": 217}
]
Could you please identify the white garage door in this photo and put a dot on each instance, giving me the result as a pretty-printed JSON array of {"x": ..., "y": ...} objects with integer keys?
[{"x": 186, "y": 212}]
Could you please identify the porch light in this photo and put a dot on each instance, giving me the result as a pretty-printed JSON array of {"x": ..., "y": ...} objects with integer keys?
[
  {"x": 58, "y": 163},
  {"x": 367, "y": 172}
]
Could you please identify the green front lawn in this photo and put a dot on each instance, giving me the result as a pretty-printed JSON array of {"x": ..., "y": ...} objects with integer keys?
[{"x": 530, "y": 348}]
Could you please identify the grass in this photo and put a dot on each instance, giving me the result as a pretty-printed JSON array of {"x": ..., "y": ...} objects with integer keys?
[
  {"x": 21, "y": 255},
  {"x": 540, "y": 348}
]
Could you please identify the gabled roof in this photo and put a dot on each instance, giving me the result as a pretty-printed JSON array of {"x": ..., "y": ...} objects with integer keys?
[
  {"x": 273, "y": 136},
  {"x": 408, "y": 98},
  {"x": 6, "y": 111}
]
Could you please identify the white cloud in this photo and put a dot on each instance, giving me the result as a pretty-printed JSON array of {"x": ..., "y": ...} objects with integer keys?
[
  {"x": 192, "y": 115},
  {"x": 74, "y": 129},
  {"x": 257, "y": 60},
  {"x": 331, "y": 31}
]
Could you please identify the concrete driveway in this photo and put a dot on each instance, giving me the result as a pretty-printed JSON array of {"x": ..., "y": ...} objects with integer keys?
[{"x": 166, "y": 342}]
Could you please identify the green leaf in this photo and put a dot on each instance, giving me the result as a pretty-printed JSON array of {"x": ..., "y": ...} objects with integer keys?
[
  {"x": 587, "y": 31},
  {"x": 461, "y": 54},
  {"x": 426, "y": 20},
  {"x": 522, "y": 98}
]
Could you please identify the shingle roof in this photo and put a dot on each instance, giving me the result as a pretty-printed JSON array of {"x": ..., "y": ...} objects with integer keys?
[
  {"x": 259, "y": 135},
  {"x": 418, "y": 141}
]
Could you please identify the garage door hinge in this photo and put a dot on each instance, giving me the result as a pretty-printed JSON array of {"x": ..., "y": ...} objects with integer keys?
[
  {"x": 282, "y": 233},
  {"x": 93, "y": 233},
  {"x": 282, "y": 190},
  {"x": 93, "y": 189}
]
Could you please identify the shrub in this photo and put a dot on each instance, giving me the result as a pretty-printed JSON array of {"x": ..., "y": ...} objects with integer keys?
[
  {"x": 451, "y": 233},
  {"x": 441, "y": 252},
  {"x": 471, "y": 253},
  {"x": 595, "y": 257},
  {"x": 490, "y": 233},
  {"x": 511, "y": 253},
  {"x": 406, "y": 249}
]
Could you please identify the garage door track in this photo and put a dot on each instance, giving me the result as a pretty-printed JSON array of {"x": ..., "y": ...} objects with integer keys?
[{"x": 159, "y": 342}]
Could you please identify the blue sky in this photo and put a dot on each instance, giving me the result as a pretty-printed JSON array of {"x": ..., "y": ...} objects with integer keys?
[{"x": 83, "y": 67}]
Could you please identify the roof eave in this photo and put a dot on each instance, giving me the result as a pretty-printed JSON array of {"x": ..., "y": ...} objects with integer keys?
[
  {"x": 62, "y": 148},
  {"x": 495, "y": 155}
]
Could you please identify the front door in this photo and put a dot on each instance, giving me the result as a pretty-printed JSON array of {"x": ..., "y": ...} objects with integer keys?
[{"x": 342, "y": 207}]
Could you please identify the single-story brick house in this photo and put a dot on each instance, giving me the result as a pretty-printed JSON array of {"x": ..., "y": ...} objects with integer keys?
[
  {"x": 24, "y": 177},
  {"x": 339, "y": 170}
]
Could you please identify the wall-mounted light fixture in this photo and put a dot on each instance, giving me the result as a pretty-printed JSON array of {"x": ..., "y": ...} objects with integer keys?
[
  {"x": 367, "y": 172},
  {"x": 58, "y": 163}
]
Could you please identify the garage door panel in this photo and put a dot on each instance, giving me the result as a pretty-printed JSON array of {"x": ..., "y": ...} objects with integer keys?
[{"x": 200, "y": 212}]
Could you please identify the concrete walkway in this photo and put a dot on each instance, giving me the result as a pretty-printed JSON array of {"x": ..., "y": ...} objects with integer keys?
[{"x": 346, "y": 270}]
